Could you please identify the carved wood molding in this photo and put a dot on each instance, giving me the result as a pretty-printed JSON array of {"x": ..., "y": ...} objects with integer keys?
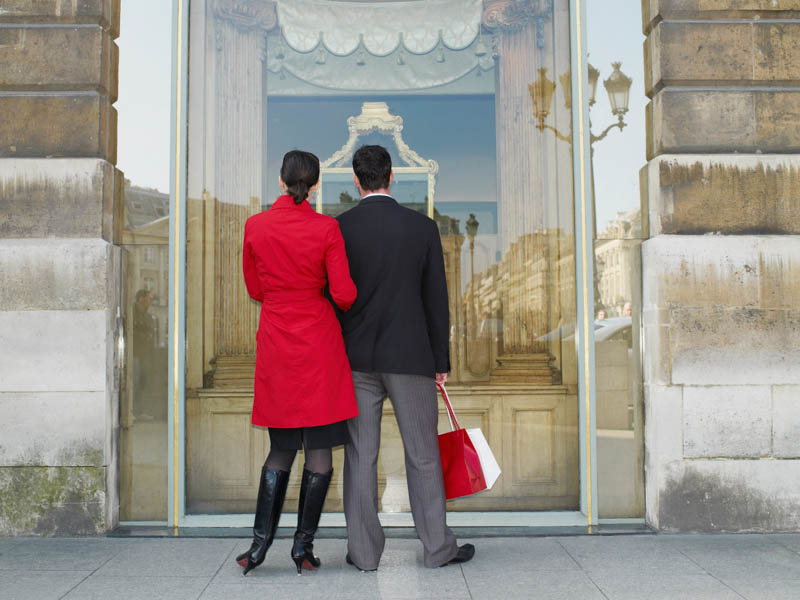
[
  {"x": 513, "y": 15},
  {"x": 247, "y": 15}
]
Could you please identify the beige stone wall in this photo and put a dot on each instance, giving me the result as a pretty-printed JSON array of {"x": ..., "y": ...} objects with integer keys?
[
  {"x": 60, "y": 197},
  {"x": 721, "y": 267}
]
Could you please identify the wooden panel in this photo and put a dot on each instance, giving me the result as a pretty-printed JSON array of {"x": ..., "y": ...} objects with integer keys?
[{"x": 531, "y": 430}]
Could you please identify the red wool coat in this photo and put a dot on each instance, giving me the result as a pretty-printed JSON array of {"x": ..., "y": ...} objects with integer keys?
[{"x": 303, "y": 377}]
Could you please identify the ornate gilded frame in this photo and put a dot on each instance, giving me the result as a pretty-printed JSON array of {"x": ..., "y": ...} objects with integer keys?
[{"x": 375, "y": 116}]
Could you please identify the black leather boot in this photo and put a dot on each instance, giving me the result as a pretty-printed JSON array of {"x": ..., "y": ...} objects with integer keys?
[
  {"x": 313, "y": 490},
  {"x": 271, "y": 493}
]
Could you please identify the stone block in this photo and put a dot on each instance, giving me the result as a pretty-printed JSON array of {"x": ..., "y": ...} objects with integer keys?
[
  {"x": 727, "y": 421},
  {"x": 776, "y": 48},
  {"x": 725, "y": 495},
  {"x": 721, "y": 310},
  {"x": 655, "y": 11},
  {"x": 52, "y": 500},
  {"x": 53, "y": 351},
  {"x": 55, "y": 274},
  {"x": 58, "y": 125},
  {"x": 777, "y": 116},
  {"x": 724, "y": 193},
  {"x": 663, "y": 423},
  {"x": 701, "y": 121},
  {"x": 679, "y": 53},
  {"x": 84, "y": 62},
  {"x": 62, "y": 198},
  {"x": 100, "y": 12},
  {"x": 723, "y": 121},
  {"x": 663, "y": 439},
  {"x": 52, "y": 429},
  {"x": 786, "y": 421}
]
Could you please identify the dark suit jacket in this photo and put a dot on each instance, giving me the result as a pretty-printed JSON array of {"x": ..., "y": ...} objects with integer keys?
[{"x": 400, "y": 320}]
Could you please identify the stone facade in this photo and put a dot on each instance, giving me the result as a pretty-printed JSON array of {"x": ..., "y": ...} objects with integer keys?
[
  {"x": 59, "y": 266},
  {"x": 721, "y": 267}
]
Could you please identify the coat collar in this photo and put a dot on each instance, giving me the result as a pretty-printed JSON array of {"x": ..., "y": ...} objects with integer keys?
[{"x": 287, "y": 202}]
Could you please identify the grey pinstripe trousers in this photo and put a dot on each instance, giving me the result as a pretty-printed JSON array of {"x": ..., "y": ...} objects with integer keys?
[{"x": 415, "y": 406}]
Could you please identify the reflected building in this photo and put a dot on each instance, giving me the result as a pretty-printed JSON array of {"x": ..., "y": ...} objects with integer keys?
[
  {"x": 616, "y": 252},
  {"x": 511, "y": 370}
]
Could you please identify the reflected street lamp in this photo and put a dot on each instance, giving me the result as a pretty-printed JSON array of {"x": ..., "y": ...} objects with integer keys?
[
  {"x": 472, "y": 230},
  {"x": 618, "y": 87}
]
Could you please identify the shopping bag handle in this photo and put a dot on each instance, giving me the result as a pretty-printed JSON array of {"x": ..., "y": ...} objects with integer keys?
[{"x": 451, "y": 415}]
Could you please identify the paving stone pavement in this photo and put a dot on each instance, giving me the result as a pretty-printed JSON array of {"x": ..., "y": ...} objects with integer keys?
[{"x": 618, "y": 567}]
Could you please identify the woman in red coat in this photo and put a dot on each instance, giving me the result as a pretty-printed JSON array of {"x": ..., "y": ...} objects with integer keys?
[{"x": 303, "y": 384}]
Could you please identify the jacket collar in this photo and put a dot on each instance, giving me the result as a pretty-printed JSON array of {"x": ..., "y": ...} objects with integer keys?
[
  {"x": 287, "y": 202},
  {"x": 376, "y": 198}
]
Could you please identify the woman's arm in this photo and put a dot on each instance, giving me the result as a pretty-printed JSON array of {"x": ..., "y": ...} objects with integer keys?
[
  {"x": 342, "y": 289},
  {"x": 249, "y": 267}
]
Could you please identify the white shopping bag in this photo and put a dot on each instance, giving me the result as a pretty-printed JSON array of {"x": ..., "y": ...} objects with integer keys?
[{"x": 491, "y": 470}]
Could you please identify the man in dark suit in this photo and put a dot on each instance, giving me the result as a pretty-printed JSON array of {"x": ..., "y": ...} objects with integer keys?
[{"x": 397, "y": 340}]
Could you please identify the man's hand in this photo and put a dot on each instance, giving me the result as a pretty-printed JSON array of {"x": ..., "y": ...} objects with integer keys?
[{"x": 441, "y": 378}]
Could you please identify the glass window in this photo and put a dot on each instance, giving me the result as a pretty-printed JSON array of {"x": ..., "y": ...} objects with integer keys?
[
  {"x": 618, "y": 152},
  {"x": 462, "y": 96},
  {"x": 144, "y": 125}
]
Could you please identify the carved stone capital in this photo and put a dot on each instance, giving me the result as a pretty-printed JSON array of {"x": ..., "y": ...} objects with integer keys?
[
  {"x": 513, "y": 15},
  {"x": 247, "y": 15}
]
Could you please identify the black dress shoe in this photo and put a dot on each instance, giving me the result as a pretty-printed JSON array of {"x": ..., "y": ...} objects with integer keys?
[
  {"x": 464, "y": 554},
  {"x": 350, "y": 562}
]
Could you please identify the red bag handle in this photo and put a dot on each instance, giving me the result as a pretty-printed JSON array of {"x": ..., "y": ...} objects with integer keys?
[{"x": 454, "y": 424}]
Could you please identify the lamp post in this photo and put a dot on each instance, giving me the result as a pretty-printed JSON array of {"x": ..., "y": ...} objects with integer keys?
[
  {"x": 472, "y": 230},
  {"x": 618, "y": 87}
]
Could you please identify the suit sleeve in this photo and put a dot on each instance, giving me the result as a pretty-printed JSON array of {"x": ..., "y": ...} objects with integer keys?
[
  {"x": 340, "y": 285},
  {"x": 249, "y": 267},
  {"x": 435, "y": 301}
]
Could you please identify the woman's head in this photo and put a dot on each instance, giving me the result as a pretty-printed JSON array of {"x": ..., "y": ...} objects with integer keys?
[{"x": 299, "y": 173}]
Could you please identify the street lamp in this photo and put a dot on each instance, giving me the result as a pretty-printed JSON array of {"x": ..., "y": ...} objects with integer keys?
[
  {"x": 472, "y": 230},
  {"x": 618, "y": 86}
]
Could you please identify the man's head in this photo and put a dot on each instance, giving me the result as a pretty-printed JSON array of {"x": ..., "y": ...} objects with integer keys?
[
  {"x": 372, "y": 166},
  {"x": 144, "y": 298}
]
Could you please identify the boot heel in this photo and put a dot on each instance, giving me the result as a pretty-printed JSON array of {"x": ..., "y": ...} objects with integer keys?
[{"x": 298, "y": 562}]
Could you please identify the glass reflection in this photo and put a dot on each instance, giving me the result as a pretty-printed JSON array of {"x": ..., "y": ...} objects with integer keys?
[
  {"x": 144, "y": 105},
  {"x": 615, "y": 43},
  {"x": 447, "y": 92}
]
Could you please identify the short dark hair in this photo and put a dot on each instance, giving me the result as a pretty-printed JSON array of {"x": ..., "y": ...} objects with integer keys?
[
  {"x": 300, "y": 172},
  {"x": 373, "y": 167}
]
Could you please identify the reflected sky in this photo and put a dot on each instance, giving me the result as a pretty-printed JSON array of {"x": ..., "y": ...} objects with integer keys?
[{"x": 456, "y": 131}]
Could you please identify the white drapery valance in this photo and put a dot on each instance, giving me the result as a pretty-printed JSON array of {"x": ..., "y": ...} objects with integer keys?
[{"x": 379, "y": 27}]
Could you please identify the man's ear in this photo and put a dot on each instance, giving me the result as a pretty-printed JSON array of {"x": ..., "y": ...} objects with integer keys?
[{"x": 391, "y": 177}]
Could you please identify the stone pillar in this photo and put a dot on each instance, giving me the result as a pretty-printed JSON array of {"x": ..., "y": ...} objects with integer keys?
[
  {"x": 527, "y": 174},
  {"x": 721, "y": 312},
  {"x": 240, "y": 30},
  {"x": 59, "y": 280}
]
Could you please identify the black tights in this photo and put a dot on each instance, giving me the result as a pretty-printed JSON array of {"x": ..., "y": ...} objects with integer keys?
[{"x": 317, "y": 461}]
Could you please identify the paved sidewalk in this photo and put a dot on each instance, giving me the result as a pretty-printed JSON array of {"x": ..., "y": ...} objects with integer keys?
[{"x": 638, "y": 567}]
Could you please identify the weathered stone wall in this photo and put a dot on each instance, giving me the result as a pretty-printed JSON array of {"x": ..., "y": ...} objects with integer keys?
[
  {"x": 721, "y": 270},
  {"x": 59, "y": 266}
]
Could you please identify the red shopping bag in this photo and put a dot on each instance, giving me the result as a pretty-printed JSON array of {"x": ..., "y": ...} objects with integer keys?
[{"x": 461, "y": 465}]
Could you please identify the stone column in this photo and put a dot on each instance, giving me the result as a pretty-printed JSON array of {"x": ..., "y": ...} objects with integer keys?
[
  {"x": 529, "y": 203},
  {"x": 59, "y": 281},
  {"x": 240, "y": 30},
  {"x": 721, "y": 312}
]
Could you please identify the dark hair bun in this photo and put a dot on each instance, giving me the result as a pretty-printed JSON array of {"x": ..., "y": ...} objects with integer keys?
[{"x": 300, "y": 172}]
